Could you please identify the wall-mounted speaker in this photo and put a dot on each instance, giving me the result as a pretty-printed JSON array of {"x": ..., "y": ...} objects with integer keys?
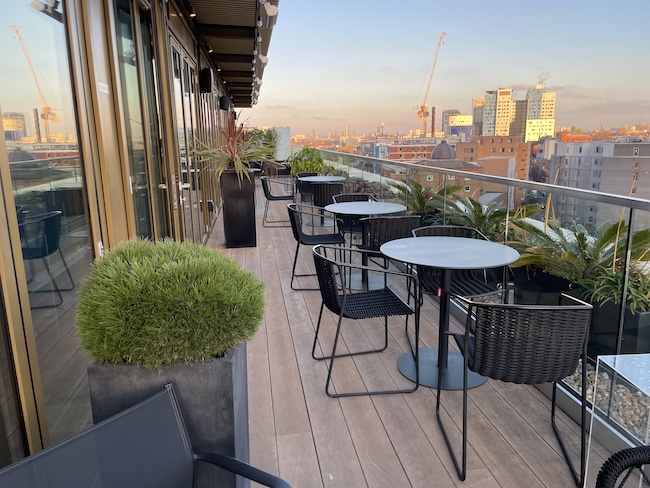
[
  {"x": 224, "y": 103},
  {"x": 205, "y": 80}
]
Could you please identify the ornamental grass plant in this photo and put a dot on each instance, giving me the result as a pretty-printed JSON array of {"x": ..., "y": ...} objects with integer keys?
[{"x": 160, "y": 303}]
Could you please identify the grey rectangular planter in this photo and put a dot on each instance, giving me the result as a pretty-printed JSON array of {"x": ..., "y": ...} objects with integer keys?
[{"x": 213, "y": 397}]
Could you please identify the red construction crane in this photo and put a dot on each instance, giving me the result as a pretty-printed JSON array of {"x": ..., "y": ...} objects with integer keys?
[
  {"x": 423, "y": 110},
  {"x": 47, "y": 113}
]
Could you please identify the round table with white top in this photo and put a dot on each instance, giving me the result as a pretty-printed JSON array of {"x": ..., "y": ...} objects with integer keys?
[
  {"x": 447, "y": 254},
  {"x": 322, "y": 179},
  {"x": 365, "y": 209}
]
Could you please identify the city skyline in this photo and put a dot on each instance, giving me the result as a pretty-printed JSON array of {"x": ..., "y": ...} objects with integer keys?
[{"x": 360, "y": 64}]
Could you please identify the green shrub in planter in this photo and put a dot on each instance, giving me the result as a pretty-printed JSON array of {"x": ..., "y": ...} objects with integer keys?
[{"x": 160, "y": 303}]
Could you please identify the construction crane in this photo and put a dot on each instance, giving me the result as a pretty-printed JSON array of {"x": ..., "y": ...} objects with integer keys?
[
  {"x": 47, "y": 112},
  {"x": 423, "y": 110}
]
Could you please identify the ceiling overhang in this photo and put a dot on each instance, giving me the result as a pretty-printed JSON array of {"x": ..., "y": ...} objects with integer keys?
[{"x": 238, "y": 34}]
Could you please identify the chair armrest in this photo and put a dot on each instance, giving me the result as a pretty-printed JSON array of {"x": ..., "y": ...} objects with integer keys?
[{"x": 242, "y": 469}]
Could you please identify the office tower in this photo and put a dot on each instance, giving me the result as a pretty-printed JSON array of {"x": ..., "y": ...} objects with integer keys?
[
  {"x": 518, "y": 124},
  {"x": 540, "y": 113},
  {"x": 477, "y": 113},
  {"x": 445, "y": 118},
  {"x": 498, "y": 112}
]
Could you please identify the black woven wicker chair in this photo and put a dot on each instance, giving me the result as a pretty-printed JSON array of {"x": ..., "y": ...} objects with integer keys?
[
  {"x": 351, "y": 223},
  {"x": 379, "y": 230},
  {"x": 304, "y": 187},
  {"x": 621, "y": 461},
  {"x": 301, "y": 216},
  {"x": 464, "y": 282},
  {"x": 354, "y": 197},
  {"x": 270, "y": 197},
  {"x": 322, "y": 193},
  {"x": 525, "y": 344},
  {"x": 340, "y": 299}
]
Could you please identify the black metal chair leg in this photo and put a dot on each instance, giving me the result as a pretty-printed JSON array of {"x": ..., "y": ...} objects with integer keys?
[
  {"x": 356, "y": 353},
  {"x": 577, "y": 477},
  {"x": 294, "y": 275}
]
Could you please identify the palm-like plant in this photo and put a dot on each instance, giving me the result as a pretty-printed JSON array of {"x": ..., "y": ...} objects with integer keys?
[
  {"x": 574, "y": 253},
  {"x": 236, "y": 150},
  {"x": 489, "y": 219},
  {"x": 412, "y": 194}
]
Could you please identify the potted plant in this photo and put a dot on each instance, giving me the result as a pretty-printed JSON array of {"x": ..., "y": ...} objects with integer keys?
[
  {"x": 231, "y": 162},
  {"x": 415, "y": 196},
  {"x": 590, "y": 264},
  {"x": 151, "y": 313},
  {"x": 604, "y": 289},
  {"x": 307, "y": 159}
]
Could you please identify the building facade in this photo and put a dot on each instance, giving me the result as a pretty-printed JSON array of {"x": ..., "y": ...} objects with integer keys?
[{"x": 111, "y": 96}]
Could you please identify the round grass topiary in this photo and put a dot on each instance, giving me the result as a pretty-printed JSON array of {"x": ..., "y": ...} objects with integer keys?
[{"x": 159, "y": 303}]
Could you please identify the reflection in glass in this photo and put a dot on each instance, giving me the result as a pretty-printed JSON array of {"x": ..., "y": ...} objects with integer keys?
[{"x": 47, "y": 180}]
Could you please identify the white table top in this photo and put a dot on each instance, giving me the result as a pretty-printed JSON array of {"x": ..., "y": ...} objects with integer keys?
[
  {"x": 365, "y": 208},
  {"x": 450, "y": 252},
  {"x": 322, "y": 179}
]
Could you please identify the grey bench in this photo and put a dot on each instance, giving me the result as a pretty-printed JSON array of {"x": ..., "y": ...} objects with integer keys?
[{"x": 144, "y": 446}]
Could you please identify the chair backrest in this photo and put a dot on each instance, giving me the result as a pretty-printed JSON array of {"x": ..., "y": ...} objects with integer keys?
[
  {"x": 448, "y": 231},
  {"x": 528, "y": 344},
  {"x": 266, "y": 187},
  {"x": 322, "y": 193},
  {"x": 302, "y": 218},
  {"x": 146, "y": 445},
  {"x": 379, "y": 230},
  {"x": 40, "y": 234},
  {"x": 327, "y": 270},
  {"x": 353, "y": 197},
  {"x": 304, "y": 186}
]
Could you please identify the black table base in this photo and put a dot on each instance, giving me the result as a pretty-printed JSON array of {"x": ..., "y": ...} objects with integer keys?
[{"x": 452, "y": 377}]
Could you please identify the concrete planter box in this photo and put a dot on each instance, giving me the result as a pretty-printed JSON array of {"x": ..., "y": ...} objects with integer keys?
[
  {"x": 213, "y": 397},
  {"x": 238, "y": 210},
  {"x": 604, "y": 330}
]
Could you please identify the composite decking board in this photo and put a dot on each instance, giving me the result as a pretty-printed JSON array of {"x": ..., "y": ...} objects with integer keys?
[
  {"x": 418, "y": 457},
  {"x": 291, "y": 416},
  {"x": 74, "y": 417},
  {"x": 337, "y": 456},
  {"x": 489, "y": 443},
  {"x": 262, "y": 436},
  {"x": 298, "y": 460}
]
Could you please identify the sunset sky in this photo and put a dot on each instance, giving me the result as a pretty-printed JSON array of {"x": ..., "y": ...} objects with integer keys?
[{"x": 360, "y": 63}]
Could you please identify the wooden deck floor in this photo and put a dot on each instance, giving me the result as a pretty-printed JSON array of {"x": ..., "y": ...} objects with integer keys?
[{"x": 390, "y": 441}]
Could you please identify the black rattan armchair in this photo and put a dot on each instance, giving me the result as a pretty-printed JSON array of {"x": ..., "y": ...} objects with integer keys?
[
  {"x": 302, "y": 218},
  {"x": 352, "y": 223},
  {"x": 525, "y": 344},
  {"x": 379, "y": 230},
  {"x": 464, "y": 282},
  {"x": 270, "y": 197},
  {"x": 322, "y": 193},
  {"x": 340, "y": 299},
  {"x": 304, "y": 187},
  {"x": 620, "y": 462}
]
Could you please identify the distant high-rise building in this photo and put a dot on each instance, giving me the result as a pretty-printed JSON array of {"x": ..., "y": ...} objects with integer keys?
[
  {"x": 445, "y": 118},
  {"x": 347, "y": 131},
  {"x": 477, "y": 113},
  {"x": 540, "y": 113},
  {"x": 533, "y": 118},
  {"x": 13, "y": 124}
]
